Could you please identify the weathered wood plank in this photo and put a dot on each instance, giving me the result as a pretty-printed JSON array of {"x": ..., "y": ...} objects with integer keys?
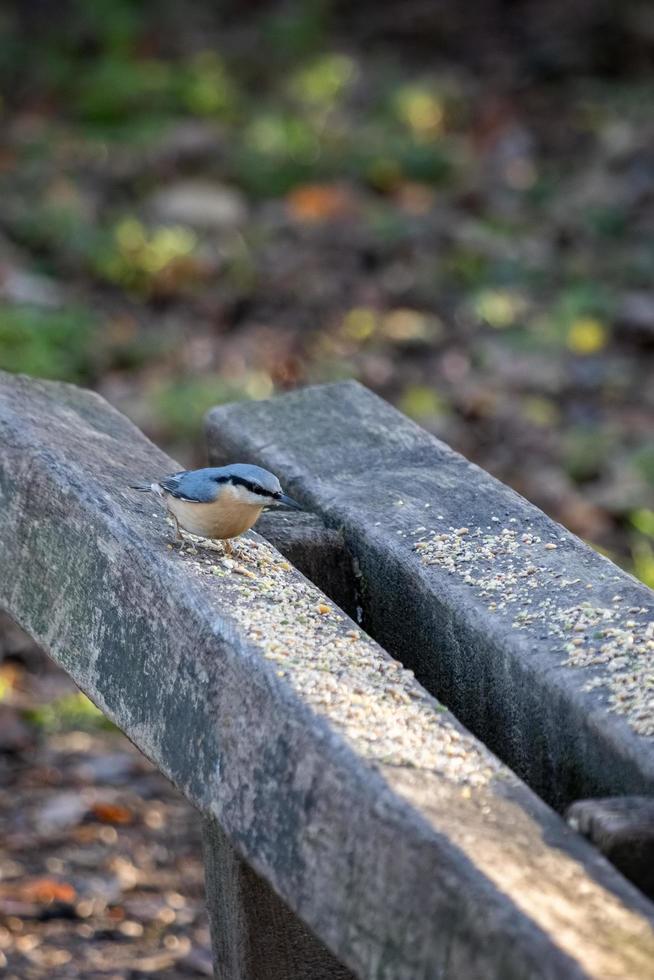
[
  {"x": 541, "y": 646},
  {"x": 397, "y": 838},
  {"x": 254, "y": 934},
  {"x": 622, "y": 827},
  {"x": 318, "y": 551}
]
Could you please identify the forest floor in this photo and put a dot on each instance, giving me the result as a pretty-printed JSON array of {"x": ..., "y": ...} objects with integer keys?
[
  {"x": 101, "y": 872},
  {"x": 189, "y": 225},
  {"x": 185, "y": 222}
]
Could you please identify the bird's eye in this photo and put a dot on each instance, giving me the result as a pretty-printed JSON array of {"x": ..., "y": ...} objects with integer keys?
[{"x": 258, "y": 489}]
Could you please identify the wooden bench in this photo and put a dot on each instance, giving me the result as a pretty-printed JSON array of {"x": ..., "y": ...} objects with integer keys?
[
  {"x": 540, "y": 645},
  {"x": 353, "y": 826}
]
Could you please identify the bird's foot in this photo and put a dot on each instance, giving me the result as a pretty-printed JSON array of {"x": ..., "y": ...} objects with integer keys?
[
  {"x": 212, "y": 544},
  {"x": 177, "y": 539},
  {"x": 246, "y": 549}
]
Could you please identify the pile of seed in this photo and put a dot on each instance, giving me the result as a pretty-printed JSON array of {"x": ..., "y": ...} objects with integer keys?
[
  {"x": 509, "y": 569},
  {"x": 374, "y": 702},
  {"x": 627, "y": 651},
  {"x": 474, "y": 556}
]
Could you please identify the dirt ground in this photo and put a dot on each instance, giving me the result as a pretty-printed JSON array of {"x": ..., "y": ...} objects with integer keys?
[{"x": 100, "y": 863}]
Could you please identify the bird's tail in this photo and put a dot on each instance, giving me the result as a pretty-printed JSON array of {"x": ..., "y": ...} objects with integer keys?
[{"x": 148, "y": 488}]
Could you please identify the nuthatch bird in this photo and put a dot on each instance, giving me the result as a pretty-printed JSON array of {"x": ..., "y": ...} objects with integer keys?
[{"x": 219, "y": 501}]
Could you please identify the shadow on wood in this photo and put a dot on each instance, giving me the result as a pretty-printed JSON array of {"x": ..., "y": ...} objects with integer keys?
[{"x": 254, "y": 933}]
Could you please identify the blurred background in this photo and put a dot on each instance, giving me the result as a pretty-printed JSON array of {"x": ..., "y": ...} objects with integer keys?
[{"x": 453, "y": 203}]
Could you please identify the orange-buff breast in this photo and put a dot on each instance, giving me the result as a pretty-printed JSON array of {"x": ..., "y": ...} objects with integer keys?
[{"x": 224, "y": 518}]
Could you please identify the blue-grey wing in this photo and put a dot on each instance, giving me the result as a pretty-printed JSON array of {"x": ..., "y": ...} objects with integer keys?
[
  {"x": 195, "y": 485},
  {"x": 171, "y": 484}
]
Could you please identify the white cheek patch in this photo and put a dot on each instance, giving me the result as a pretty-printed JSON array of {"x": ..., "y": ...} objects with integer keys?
[{"x": 240, "y": 494}]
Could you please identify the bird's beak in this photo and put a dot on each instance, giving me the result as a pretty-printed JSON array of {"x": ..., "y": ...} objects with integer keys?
[{"x": 289, "y": 502}]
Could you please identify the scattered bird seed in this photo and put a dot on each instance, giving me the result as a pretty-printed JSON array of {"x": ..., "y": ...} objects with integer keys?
[
  {"x": 366, "y": 695},
  {"x": 511, "y": 577}
]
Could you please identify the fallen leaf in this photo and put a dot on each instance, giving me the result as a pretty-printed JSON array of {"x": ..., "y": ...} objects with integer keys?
[
  {"x": 587, "y": 335},
  {"x": 415, "y": 198},
  {"x": 319, "y": 202},
  {"x": 44, "y": 891},
  {"x": 111, "y": 813}
]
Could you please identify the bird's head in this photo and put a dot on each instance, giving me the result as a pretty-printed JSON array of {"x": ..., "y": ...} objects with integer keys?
[{"x": 256, "y": 486}]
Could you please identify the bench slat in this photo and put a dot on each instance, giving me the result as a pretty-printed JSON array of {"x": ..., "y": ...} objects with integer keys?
[
  {"x": 255, "y": 935},
  {"x": 407, "y": 848},
  {"x": 541, "y": 646}
]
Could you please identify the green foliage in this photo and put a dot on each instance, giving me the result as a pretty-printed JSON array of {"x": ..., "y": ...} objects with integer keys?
[
  {"x": 584, "y": 452},
  {"x": 180, "y": 405},
  {"x": 60, "y": 228},
  {"x": 139, "y": 258},
  {"x": 116, "y": 87},
  {"x": 608, "y": 222},
  {"x": 278, "y": 151},
  {"x": 423, "y": 162},
  {"x": 50, "y": 344},
  {"x": 583, "y": 298},
  {"x": 282, "y": 135},
  {"x": 642, "y": 554},
  {"x": 465, "y": 267},
  {"x": 384, "y": 157},
  {"x": 137, "y": 349},
  {"x": 114, "y": 25},
  {"x": 500, "y": 308},
  {"x": 643, "y": 520},
  {"x": 388, "y": 225},
  {"x": 321, "y": 82},
  {"x": 422, "y": 403},
  {"x": 296, "y": 29},
  {"x": 205, "y": 87},
  {"x": 642, "y": 544},
  {"x": 403, "y": 156},
  {"x": 78, "y": 36},
  {"x": 119, "y": 88},
  {"x": 579, "y": 318},
  {"x": 5, "y": 687},
  {"x": 72, "y": 712},
  {"x": 643, "y": 462},
  {"x": 420, "y": 108}
]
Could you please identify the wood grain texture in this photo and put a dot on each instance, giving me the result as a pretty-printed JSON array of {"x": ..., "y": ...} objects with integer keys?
[
  {"x": 622, "y": 828},
  {"x": 254, "y": 933},
  {"x": 510, "y": 603},
  {"x": 400, "y": 841},
  {"x": 318, "y": 551}
]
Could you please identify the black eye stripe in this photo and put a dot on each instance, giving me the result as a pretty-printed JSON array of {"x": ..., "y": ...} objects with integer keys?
[{"x": 252, "y": 487}]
